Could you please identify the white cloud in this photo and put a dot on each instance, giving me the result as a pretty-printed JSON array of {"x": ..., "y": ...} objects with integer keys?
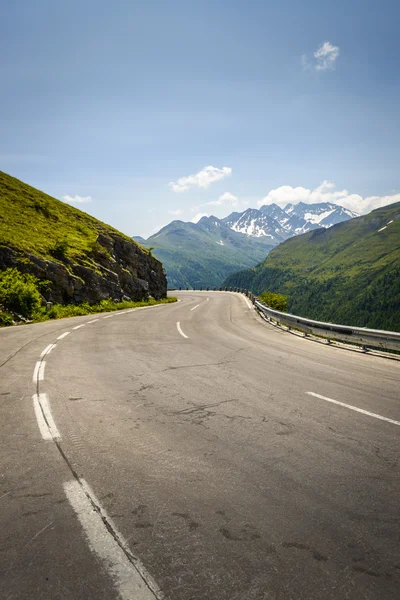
[
  {"x": 197, "y": 218},
  {"x": 178, "y": 211},
  {"x": 326, "y": 192},
  {"x": 79, "y": 199},
  {"x": 227, "y": 199},
  {"x": 325, "y": 57},
  {"x": 202, "y": 179}
]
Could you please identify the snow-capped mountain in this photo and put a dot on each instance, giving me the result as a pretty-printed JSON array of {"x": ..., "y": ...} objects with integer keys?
[
  {"x": 255, "y": 223},
  {"x": 279, "y": 224}
]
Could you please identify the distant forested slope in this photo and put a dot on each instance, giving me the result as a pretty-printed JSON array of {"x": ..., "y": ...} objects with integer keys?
[{"x": 347, "y": 274}]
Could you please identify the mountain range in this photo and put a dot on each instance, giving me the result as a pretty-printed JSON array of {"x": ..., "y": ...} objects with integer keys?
[
  {"x": 349, "y": 273},
  {"x": 205, "y": 253},
  {"x": 280, "y": 224}
]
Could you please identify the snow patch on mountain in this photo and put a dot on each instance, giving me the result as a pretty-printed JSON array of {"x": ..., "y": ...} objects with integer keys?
[{"x": 279, "y": 224}]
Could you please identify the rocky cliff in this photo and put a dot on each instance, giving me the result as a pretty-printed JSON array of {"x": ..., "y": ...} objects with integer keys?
[{"x": 81, "y": 258}]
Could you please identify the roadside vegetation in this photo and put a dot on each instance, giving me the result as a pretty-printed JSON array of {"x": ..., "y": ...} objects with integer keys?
[
  {"x": 21, "y": 301},
  {"x": 274, "y": 301}
]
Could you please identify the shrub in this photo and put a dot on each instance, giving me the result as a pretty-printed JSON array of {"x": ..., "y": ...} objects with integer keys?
[
  {"x": 274, "y": 301},
  {"x": 5, "y": 319},
  {"x": 59, "y": 250},
  {"x": 19, "y": 292}
]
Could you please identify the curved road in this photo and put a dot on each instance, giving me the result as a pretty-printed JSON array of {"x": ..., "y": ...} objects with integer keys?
[{"x": 193, "y": 452}]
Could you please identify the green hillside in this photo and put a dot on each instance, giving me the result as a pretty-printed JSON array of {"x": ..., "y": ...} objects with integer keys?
[
  {"x": 204, "y": 253},
  {"x": 82, "y": 258},
  {"x": 348, "y": 274},
  {"x": 32, "y": 221}
]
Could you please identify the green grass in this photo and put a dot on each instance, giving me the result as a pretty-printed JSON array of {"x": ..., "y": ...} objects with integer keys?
[
  {"x": 33, "y": 222},
  {"x": 60, "y": 311}
]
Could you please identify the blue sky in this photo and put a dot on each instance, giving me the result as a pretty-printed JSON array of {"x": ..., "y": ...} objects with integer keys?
[{"x": 106, "y": 105}]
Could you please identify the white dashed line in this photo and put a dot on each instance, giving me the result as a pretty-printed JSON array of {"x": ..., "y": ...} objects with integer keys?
[
  {"x": 194, "y": 307},
  {"x": 93, "y": 321},
  {"x": 130, "y": 577},
  {"x": 63, "y": 335},
  {"x": 44, "y": 418},
  {"x": 47, "y": 350},
  {"x": 108, "y": 316},
  {"x": 178, "y": 326},
  {"x": 355, "y": 408},
  {"x": 79, "y": 326},
  {"x": 43, "y": 428},
  {"x": 35, "y": 372}
]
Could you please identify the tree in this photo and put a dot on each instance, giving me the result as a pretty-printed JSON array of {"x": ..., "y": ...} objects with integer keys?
[{"x": 274, "y": 301}]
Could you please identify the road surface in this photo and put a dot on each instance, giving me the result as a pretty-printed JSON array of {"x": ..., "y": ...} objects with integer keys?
[{"x": 193, "y": 452}]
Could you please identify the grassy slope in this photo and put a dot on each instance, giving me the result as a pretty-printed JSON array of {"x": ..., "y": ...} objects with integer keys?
[
  {"x": 193, "y": 256},
  {"x": 34, "y": 222},
  {"x": 349, "y": 273}
]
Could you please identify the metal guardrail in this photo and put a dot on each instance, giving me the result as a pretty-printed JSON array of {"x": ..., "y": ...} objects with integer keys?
[
  {"x": 372, "y": 338},
  {"x": 367, "y": 338}
]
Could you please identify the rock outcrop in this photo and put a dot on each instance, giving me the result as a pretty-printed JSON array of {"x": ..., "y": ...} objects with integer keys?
[{"x": 116, "y": 268}]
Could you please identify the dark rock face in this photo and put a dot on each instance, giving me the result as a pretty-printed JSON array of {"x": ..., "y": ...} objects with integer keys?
[{"x": 116, "y": 268}]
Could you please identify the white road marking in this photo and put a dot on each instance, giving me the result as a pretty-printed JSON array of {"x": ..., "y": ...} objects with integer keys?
[
  {"x": 44, "y": 418},
  {"x": 108, "y": 316},
  {"x": 48, "y": 349},
  {"x": 93, "y": 321},
  {"x": 35, "y": 372},
  {"x": 42, "y": 367},
  {"x": 178, "y": 326},
  {"x": 355, "y": 408},
  {"x": 126, "y": 571},
  {"x": 194, "y": 307},
  {"x": 79, "y": 326},
  {"x": 63, "y": 335},
  {"x": 249, "y": 304},
  {"x": 208, "y": 299},
  {"x": 43, "y": 428}
]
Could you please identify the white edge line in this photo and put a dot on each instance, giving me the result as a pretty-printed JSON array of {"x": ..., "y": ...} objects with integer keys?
[
  {"x": 129, "y": 580},
  {"x": 42, "y": 367},
  {"x": 35, "y": 372},
  {"x": 43, "y": 428},
  {"x": 355, "y": 408},
  {"x": 63, "y": 335},
  {"x": 178, "y": 326},
  {"x": 194, "y": 307},
  {"x": 248, "y": 302},
  {"x": 44, "y": 404},
  {"x": 79, "y": 326}
]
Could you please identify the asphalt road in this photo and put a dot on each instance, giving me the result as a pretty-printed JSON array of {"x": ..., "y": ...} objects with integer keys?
[{"x": 176, "y": 452}]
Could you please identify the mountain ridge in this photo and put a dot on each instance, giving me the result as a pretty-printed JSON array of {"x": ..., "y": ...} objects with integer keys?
[
  {"x": 348, "y": 273},
  {"x": 204, "y": 253}
]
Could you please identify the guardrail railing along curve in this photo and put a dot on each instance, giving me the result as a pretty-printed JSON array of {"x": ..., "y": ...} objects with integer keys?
[
  {"x": 361, "y": 336},
  {"x": 368, "y": 338}
]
